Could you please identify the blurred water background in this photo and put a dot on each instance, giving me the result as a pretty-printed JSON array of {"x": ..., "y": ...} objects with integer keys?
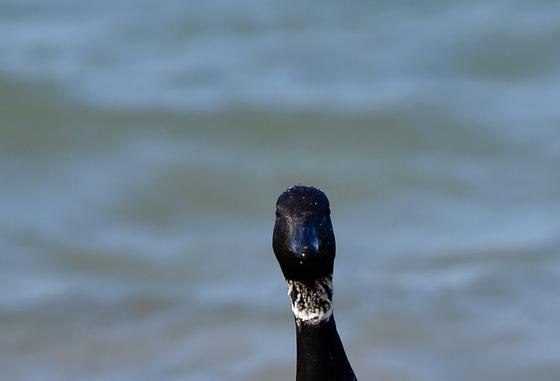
[{"x": 143, "y": 145}]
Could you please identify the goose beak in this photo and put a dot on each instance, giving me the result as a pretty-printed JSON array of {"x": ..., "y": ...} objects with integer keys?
[{"x": 304, "y": 240}]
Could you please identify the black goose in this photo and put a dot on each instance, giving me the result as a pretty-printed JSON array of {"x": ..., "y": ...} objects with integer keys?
[{"x": 303, "y": 242}]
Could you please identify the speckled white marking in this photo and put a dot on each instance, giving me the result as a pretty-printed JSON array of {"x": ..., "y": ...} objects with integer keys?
[{"x": 311, "y": 301}]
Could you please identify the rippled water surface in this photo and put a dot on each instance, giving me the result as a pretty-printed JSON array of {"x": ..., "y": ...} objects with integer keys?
[{"x": 143, "y": 145}]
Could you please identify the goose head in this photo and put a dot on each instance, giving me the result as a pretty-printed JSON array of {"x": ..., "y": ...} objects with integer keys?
[{"x": 303, "y": 238}]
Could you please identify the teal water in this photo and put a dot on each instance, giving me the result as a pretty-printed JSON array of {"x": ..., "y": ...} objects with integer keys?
[{"x": 142, "y": 148}]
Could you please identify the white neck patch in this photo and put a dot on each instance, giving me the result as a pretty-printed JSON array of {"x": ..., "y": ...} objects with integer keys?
[{"x": 311, "y": 301}]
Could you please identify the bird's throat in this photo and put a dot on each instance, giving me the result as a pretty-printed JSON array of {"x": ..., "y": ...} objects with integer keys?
[{"x": 311, "y": 300}]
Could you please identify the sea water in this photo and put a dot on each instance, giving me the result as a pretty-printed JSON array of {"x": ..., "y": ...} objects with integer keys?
[{"x": 143, "y": 145}]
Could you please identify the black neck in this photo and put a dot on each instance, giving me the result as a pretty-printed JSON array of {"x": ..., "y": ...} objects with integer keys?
[{"x": 320, "y": 355}]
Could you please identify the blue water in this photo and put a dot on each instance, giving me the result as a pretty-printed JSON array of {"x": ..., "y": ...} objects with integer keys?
[{"x": 143, "y": 145}]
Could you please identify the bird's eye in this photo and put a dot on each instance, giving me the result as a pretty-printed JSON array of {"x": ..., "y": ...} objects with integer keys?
[{"x": 277, "y": 214}]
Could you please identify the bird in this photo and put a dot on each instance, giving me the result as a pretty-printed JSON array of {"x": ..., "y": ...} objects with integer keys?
[{"x": 304, "y": 245}]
